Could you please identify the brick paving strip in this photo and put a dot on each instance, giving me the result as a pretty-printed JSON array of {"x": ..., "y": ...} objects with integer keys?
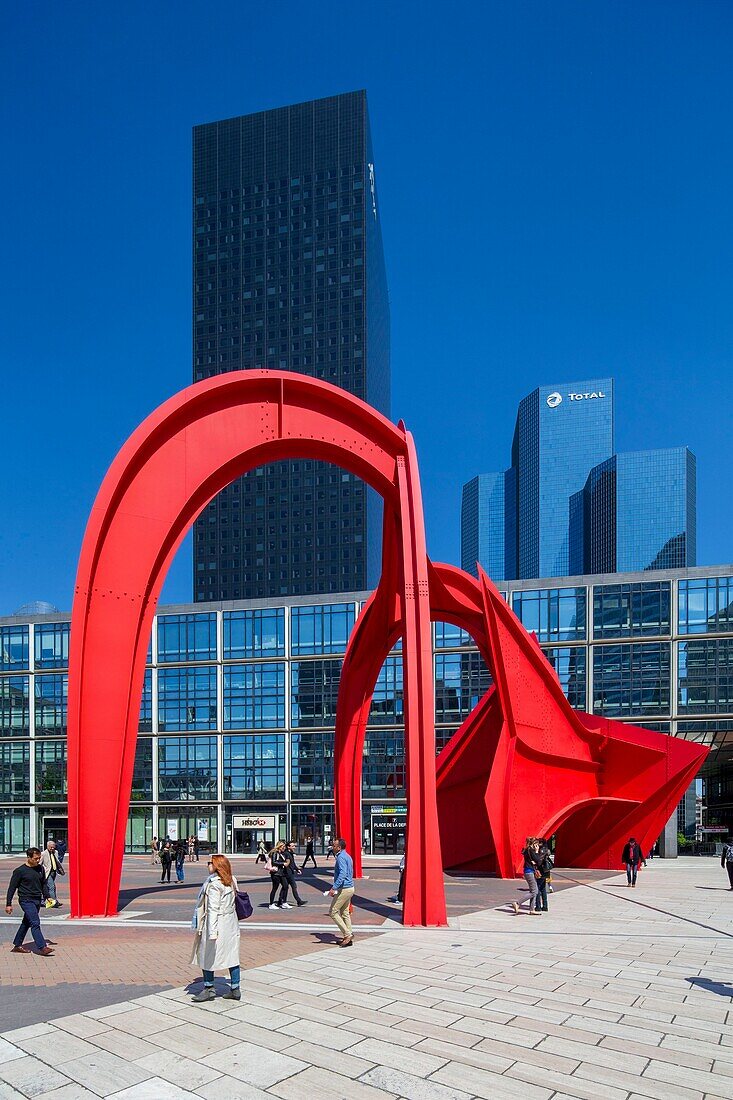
[{"x": 615, "y": 994}]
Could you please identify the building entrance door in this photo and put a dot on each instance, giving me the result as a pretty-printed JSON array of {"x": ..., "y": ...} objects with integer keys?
[
  {"x": 246, "y": 840},
  {"x": 55, "y": 828},
  {"x": 388, "y": 831}
]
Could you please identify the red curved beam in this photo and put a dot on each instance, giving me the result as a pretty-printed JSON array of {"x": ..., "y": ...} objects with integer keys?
[{"x": 189, "y": 449}]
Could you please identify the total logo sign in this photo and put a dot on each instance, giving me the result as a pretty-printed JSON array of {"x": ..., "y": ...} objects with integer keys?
[{"x": 555, "y": 399}]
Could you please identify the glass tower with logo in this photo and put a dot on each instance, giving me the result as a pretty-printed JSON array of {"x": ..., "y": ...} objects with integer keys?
[
  {"x": 560, "y": 434},
  {"x": 288, "y": 274},
  {"x": 569, "y": 505}
]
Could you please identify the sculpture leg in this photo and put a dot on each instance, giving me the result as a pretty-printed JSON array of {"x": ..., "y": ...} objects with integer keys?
[{"x": 424, "y": 892}]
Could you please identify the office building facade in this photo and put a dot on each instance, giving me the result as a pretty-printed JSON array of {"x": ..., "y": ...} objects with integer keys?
[
  {"x": 288, "y": 274},
  {"x": 640, "y": 512},
  {"x": 573, "y": 506},
  {"x": 560, "y": 434},
  {"x": 238, "y": 709}
]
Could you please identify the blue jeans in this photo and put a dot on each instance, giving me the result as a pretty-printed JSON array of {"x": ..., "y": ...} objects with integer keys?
[
  {"x": 179, "y": 872},
  {"x": 541, "y": 902},
  {"x": 32, "y": 920},
  {"x": 234, "y": 972},
  {"x": 631, "y": 869}
]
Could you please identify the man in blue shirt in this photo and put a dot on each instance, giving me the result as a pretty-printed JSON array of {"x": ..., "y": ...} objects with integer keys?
[{"x": 342, "y": 892}]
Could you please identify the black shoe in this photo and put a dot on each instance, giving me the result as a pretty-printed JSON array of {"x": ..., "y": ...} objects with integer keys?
[
  {"x": 206, "y": 994},
  {"x": 234, "y": 994},
  {"x": 302, "y": 903}
]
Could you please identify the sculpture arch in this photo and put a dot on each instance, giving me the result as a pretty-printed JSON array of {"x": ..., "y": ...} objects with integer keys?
[
  {"x": 523, "y": 761},
  {"x": 179, "y": 458}
]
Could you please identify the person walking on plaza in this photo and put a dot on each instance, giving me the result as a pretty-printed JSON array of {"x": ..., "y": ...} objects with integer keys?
[
  {"x": 216, "y": 943},
  {"x": 180, "y": 856},
  {"x": 544, "y": 862},
  {"x": 30, "y": 883},
  {"x": 400, "y": 895},
  {"x": 632, "y": 857},
  {"x": 531, "y": 873},
  {"x": 190, "y": 849},
  {"x": 196, "y": 848},
  {"x": 342, "y": 892},
  {"x": 51, "y": 867},
  {"x": 291, "y": 870},
  {"x": 166, "y": 858},
  {"x": 726, "y": 860},
  {"x": 154, "y": 850},
  {"x": 276, "y": 861},
  {"x": 261, "y": 852},
  {"x": 309, "y": 853}
]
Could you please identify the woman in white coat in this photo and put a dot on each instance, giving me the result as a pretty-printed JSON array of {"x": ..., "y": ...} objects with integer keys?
[{"x": 216, "y": 944}]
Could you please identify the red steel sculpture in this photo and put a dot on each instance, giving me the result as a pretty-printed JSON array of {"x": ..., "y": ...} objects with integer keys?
[{"x": 523, "y": 761}]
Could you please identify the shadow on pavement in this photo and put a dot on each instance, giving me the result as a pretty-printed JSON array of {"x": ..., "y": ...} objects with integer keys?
[{"x": 710, "y": 986}]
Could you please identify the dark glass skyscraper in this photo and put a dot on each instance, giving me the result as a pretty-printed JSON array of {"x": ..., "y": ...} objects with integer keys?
[{"x": 289, "y": 274}]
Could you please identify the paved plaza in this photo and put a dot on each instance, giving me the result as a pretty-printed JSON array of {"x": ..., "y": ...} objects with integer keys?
[{"x": 615, "y": 993}]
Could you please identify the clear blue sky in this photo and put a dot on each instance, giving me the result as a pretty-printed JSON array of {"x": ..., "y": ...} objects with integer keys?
[{"x": 555, "y": 182}]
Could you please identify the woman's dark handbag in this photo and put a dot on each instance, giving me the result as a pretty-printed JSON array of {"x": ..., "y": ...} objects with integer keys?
[{"x": 242, "y": 905}]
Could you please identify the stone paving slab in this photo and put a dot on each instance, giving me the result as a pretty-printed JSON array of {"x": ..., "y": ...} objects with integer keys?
[{"x": 612, "y": 995}]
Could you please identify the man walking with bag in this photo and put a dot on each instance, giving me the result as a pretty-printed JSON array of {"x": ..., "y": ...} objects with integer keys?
[
  {"x": 51, "y": 866},
  {"x": 29, "y": 881},
  {"x": 342, "y": 892}
]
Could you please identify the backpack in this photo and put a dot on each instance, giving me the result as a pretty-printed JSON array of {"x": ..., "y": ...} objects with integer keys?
[{"x": 548, "y": 862}]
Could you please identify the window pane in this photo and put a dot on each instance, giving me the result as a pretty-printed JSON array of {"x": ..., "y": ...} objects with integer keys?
[
  {"x": 461, "y": 679},
  {"x": 631, "y": 610},
  {"x": 15, "y": 771},
  {"x": 142, "y": 776},
  {"x": 705, "y": 670},
  {"x": 14, "y": 706},
  {"x": 383, "y": 773},
  {"x": 312, "y": 765},
  {"x": 13, "y": 648},
  {"x": 631, "y": 680},
  {"x": 569, "y": 663},
  {"x": 187, "y": 699},
  {"x": 254, "y": 696},
  {"x": 706, "y": 605},
  {"x": 318, "y": 630},
  {"x": 256, "y": 633},
  {"x": 314, "y": 689},
  {"x": 187, "y": 768},
  {"x": 146, "y": 703},
  {"x": 186, "y": 638},
  {"x": 50, "y": 771},
  {"x": 51, "y": 695},
  {"x": 51, "y": 645},
  {"x": 553, "y": 614},
  {"x": 388, "y": 701},
  {"x": 254, "y": 767}
]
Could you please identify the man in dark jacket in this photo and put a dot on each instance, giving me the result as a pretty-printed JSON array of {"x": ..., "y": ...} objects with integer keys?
[
  {"x": 290, "y": 870},
  {"x": 726, "y": 860},
  {"x": 632, "y": 857},
  {"x": 29, "y": 881}
]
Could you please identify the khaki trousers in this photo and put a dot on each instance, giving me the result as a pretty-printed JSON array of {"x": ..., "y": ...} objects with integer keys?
[{"x": 339, "y": 911}]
